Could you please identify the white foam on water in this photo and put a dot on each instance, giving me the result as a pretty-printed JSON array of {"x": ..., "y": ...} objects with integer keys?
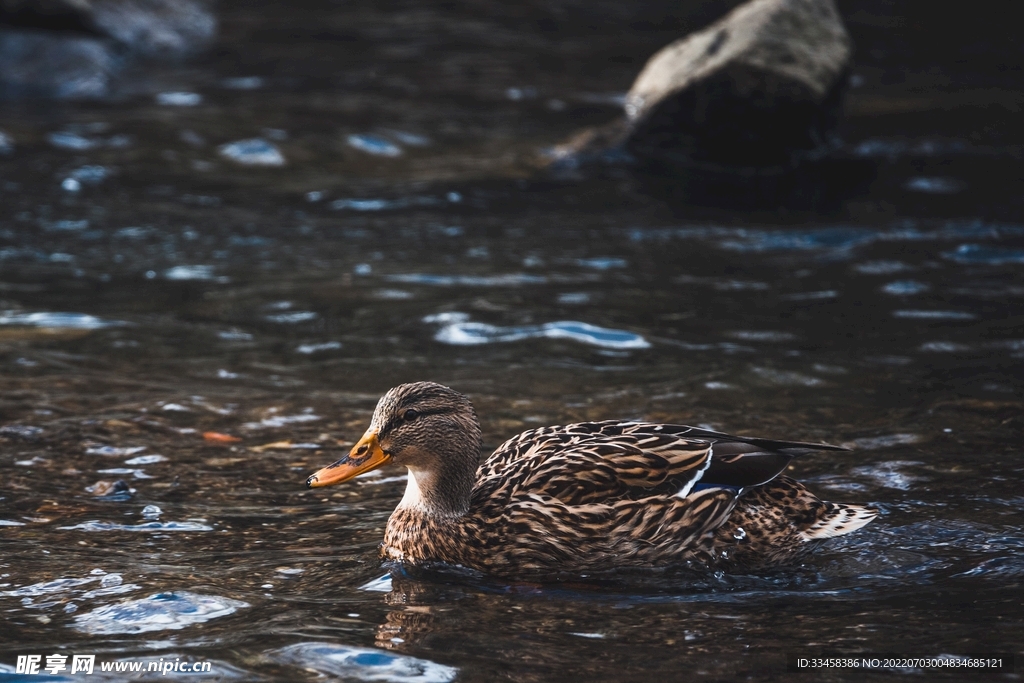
[
  {"x": 362, "y": 664},
  {"x": 158, "y": 612}
]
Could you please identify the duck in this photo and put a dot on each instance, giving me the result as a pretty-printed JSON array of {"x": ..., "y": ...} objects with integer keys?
[{"x": 585, "y": 498}]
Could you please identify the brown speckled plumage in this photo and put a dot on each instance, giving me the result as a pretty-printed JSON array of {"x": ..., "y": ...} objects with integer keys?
[{"x": 592, "y": 496}]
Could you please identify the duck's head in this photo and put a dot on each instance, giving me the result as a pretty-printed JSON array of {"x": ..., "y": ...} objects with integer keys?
[{"x": 427, "y": 427}]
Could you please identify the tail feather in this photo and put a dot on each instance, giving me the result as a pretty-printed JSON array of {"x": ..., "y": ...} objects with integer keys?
[{"x": 840, "y": 520}]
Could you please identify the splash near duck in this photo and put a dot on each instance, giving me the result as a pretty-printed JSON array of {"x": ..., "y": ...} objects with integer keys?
[{"x": 586, "y": 497}]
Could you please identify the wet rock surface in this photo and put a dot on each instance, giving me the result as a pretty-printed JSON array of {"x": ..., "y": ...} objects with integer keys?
[
  {"x": 748, "y": 105},
  {"x": 756, "y": 88}
]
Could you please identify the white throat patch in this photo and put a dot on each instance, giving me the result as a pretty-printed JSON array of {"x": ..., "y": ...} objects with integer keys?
[{"x": 413, "y": 498}]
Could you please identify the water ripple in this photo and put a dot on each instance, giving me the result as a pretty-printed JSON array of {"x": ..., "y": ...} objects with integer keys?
[
  {"x": 47, "y": 587},
  {"x": 934, "y": 185},
  {"x": 886, "y": 441},
  {"x": 933, "y": 315},
  {"x": 179, "y": 99},
  {"x": 978, "y": 254},
  {"x": 362, "y": 664},
  {"x": 905, "y": 287},
  {"x": 505, "y": 280},
  {"x": 839, "y": 241},
  {"x": 281, "y": 421},
  {"x": 192, "y": 273},
  {"x": 252, "y": 152},
  {"x": 96, "y": 525},
  {"x": 889, "y": 474},
  {"x": 158, "y": 612},
  {"x": 374, "y": 144},
  {"x": 389, "y": 204},
  {"x": 464, "y": 333},
  {"x": 56, "y": 321}
]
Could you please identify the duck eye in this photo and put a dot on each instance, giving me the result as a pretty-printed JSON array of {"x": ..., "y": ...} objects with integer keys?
[{"x": 410, "y": 415}]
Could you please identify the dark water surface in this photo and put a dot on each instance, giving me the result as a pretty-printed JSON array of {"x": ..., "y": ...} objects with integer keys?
[{"x": 153, "y": 290}]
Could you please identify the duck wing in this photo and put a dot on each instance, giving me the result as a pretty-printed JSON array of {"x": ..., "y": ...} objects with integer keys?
[
  {"x": 592, "y": 495},
  {"x": 600, "y": 461},
  {"x": 606, "y": 494}
]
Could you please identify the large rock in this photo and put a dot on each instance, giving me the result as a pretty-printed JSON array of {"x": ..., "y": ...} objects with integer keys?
[{"x": 762, "y": 84}]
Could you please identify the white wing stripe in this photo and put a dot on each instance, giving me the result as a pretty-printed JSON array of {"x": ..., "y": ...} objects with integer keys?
[{"x": 685, "y": 491}]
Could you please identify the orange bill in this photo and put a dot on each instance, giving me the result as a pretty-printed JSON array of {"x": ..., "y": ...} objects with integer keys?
[{"x": 364, "y": 456}]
